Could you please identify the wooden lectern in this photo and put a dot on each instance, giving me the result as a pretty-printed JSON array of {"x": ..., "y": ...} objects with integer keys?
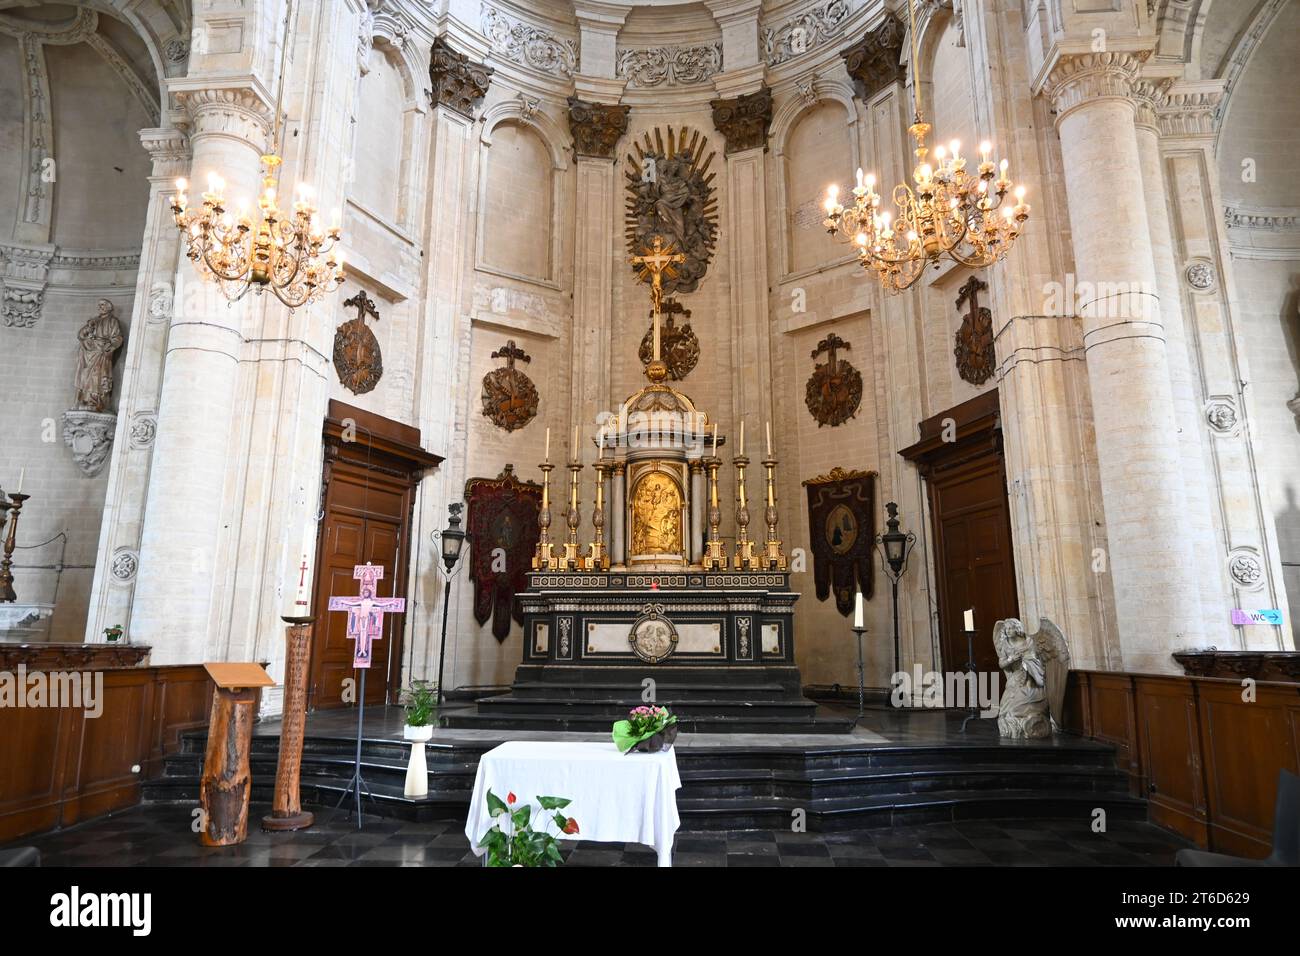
[{"x": 225, "y": 786}]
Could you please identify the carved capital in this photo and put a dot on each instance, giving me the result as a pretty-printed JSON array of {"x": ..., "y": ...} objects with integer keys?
[
  {"x": 1087, "y": 77},
  {"x": 458, "y": 83},
  {"x": 169, "y": 149},
  {"x": 744, "y": 120},
  {"x": 596, "y": 127},
  {"x": 1148, "y": 97},
  {"x": 1191, "y": 112},
  {"x": 230, "y": 111},
  {"x": 874, "y": 61}
]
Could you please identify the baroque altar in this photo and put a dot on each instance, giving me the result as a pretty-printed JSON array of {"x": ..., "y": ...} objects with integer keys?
[{"x": 654, "y": 593}]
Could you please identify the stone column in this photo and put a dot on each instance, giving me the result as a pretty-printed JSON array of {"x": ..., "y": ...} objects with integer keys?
[
  {"x": 1151, "y": 558},
  {"x": 743, "y": 121},
  {"x": 1185, "y": 388},
  {"x": 699, "y": 498},
  {"x": 179, "y": 587},
  {"x": 118, "y": 559},
  {"x": 458, "y": 86},
  {"x": 596, "y": 130}
]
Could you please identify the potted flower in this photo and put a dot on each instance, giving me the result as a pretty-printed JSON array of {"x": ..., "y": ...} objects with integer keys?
[
  {"x": 113, "y": 634},
  {"x": 648, "y": 729},
  {"x": 420, "y": 703},
  {"x": 514, "y": 839}
]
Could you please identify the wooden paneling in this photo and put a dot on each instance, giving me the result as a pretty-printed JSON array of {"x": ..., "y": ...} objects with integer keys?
[
  {"x": 60, "y": 766},
  {"x": 1203, "y": 751}
]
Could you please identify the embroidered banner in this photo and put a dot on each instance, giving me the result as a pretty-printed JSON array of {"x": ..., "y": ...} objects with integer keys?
[
  {"x": 503, "y": 531},
  {"x": 842, "y": 527}
]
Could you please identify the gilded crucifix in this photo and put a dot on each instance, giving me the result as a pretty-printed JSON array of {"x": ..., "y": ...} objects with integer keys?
[{"x": 654, "y": 265}]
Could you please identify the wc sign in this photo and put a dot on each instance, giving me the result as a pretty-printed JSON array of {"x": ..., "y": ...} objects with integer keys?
[{"x": 1266, "y": 616}]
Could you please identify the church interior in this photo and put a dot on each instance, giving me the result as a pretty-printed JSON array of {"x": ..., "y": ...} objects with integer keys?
[{"x": 881, "y": 418}]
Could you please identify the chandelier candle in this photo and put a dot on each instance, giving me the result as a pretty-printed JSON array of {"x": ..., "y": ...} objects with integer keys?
[{"x": 945, "y": 211}]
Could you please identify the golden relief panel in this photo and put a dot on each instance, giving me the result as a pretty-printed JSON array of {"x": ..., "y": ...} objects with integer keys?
[{"x": 657, "y": 516}]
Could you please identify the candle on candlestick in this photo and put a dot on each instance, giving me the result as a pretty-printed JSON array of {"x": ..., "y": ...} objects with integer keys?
[
  {"x": 741, "y": 453},
  {"x": 858, "y": 611},
  {"x": 302, "y": 599},
  {"x": 547, "y": 456},
  {"x": 575, "y": 442},
  {"x": 715, "y": 439},
  {"x": 769, "y": 439},
  {"x": 968, "y": 619},
  {"x": 21, "y": 475}
]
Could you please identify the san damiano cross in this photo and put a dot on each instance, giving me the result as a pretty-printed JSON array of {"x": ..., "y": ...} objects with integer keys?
[
  {"x": 654, "y": 264},
  {"x": 366, "y": 611}
]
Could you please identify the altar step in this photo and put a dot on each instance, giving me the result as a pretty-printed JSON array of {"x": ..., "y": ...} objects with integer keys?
[{"x": 733, "y": 787}]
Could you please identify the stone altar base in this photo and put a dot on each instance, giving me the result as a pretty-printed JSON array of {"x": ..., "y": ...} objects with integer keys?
[{"x": 717, "y": 648}]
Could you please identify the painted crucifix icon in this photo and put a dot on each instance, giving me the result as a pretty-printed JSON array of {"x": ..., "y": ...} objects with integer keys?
[{"x": 366, "y": 612}]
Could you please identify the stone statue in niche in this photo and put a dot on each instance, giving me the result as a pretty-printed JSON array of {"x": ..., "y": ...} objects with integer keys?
[
  {"x": 1035, "y": 666},
  {"x": 99, "y": 338},
  {"x": 670, "y": 194}
]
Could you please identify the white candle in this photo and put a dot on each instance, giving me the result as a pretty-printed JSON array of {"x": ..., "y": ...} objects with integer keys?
[
  {"x": 769, "y": 439},
  {"x": 741, "y": 453},
  {"x": 575, "y": 442},
  {"x": 715, "y": 439},
  {"x": 968, "y": 620},
  {"x": 547, "y": 457},
  {"x": 21, "y": 475},
  {"x": 303, "y": 572},
  {"x": 858, "y": 610},
  {"x": 602, "y": 443}
]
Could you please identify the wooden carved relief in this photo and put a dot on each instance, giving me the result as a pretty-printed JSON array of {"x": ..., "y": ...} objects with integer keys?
[
  {"x": 834, "y": 390},
  {"x": 976, "y": 359},
  {"x": 678, "y": 344},
  {"x": 670, "y": 194},
  {"x": 357, "y": 358},
  {"x": 509, "y": 396}
]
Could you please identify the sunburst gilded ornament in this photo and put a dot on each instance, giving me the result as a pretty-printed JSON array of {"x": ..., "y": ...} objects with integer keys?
[
  {"x": 834, "y": 390},
  {"x": 670, "y": 194},
  {"x": 357, "y": 357},
  {"x": 509, "y": 396}
]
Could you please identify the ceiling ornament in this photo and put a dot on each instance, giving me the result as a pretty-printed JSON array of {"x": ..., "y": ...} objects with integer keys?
[
  {"x": 527, "y": 45},
  {"x": 670, "y": 194},
  {"x": 811, "y": 29},
  {"x": 669, "y": 65}
]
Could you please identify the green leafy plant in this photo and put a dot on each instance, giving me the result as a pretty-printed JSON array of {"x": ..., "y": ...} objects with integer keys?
[
  {"x": 514, "y": 839},
  {"x": 642, "y": 723},
  {"x": 113, "y": 634},
  {"x": 420, "y": 701}
]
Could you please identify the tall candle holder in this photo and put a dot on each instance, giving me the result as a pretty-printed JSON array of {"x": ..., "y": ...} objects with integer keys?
[
  {"x": 598, "y": 556},
  {"x": 773, "y": 556},
  {"x": 544, "y": 557},
  {"x": 572, "y": 560},
  {"x": 15, "y": 506},
  {"x": 715, "y": 557},
  {"x": 746, "y": 560}
]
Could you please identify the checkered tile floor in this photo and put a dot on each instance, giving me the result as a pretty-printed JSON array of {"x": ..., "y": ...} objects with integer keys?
[{"x": 160, "y": 835}]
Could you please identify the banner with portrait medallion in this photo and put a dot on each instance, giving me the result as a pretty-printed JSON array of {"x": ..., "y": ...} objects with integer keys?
[{"x": 842, "y": 527}]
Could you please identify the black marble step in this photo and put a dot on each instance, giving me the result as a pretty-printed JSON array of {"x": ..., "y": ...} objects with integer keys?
[
  {"x": 616, "y": 708},
  {"x": 800, "y": 722},
  {"x": 665, "y": 691}
]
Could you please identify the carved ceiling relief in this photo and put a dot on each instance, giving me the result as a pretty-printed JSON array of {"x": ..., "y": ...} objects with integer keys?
[
  {"x": 357, "y": 356},
  {"x": 670, "y": 193},
  {"x": 834, "y": 390},
  {"x": 509, "y": 396},
  {"x": 974, "y": 351}
]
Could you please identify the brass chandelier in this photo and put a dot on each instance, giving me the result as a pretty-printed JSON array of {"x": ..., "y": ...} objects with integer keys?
[
  {"x": 287, "y": 252},
  {"x": 945, "y": 212}
]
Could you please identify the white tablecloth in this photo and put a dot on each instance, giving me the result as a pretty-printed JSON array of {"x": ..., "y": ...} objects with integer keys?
[{"x": 618, "y": 798}]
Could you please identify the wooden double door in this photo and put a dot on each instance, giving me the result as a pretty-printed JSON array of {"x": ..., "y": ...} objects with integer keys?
[
  {"x": 965, "y": 477},
  {"x": 372, "y": 468}
]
